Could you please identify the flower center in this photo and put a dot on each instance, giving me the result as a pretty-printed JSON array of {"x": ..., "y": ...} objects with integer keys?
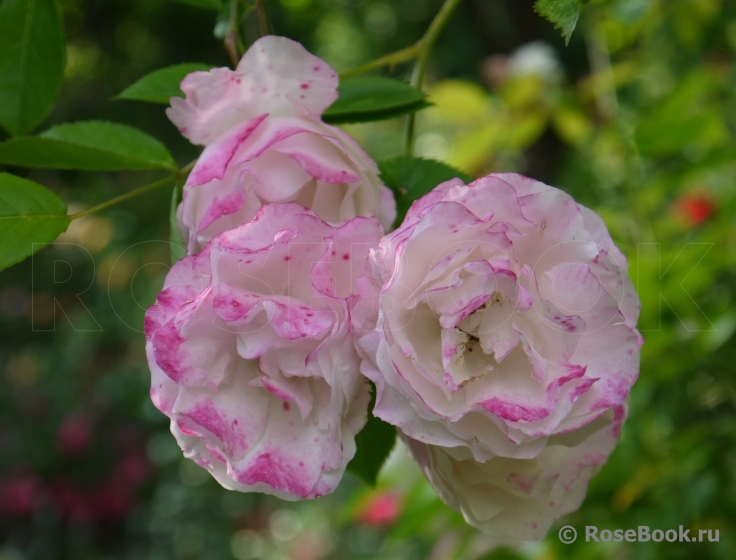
[{"x": 474, "y": 353}]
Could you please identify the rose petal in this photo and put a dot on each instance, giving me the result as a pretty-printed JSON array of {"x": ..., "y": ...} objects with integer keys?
[{"x": 277, "y": 76}]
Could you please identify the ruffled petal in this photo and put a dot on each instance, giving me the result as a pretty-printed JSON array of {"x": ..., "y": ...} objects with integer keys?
[
  {"x": 277, "y": 76},
  {"x": 517, "y": 499},
  {"x": 251, "y": 352}
]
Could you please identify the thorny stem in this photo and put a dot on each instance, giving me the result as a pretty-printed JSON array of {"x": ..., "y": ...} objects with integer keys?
[
  {"x": 420, "y": 67},
  {"x": 178, "y": 176}
]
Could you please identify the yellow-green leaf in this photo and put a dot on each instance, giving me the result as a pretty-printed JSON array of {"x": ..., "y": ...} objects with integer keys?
[{"x": 31, "y": 217}]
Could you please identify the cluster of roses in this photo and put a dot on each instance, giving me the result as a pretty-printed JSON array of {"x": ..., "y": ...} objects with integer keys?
[{"x": 497, "y": 321}]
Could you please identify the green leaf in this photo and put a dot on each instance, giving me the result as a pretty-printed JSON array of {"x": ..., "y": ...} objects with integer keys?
[
  {"x": 373, "y": 98},
  {"x": 161, "y": 85},
  {"x": 411, "y": 178},
  {"x": 374, "y": 444},
  {"x": 377, "y": 115},
  {"x": 178, "y": 247},
  {"x": 31, "y": 62},
  {"x": 563, "y": 13},
  {"x": 685, "y": 119},
  {"x": 208, "y": 4},
  {"x": 88, "y": 146},
  {"x": 31, "y": 217}
]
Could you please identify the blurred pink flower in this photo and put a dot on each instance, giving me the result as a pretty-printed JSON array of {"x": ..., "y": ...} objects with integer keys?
[
  {"x": 74, "y": 434},
  {"x": 382, "y": 508},
  {"x": 19, "y": 494},
  {"x": 695, "y": 207},
  {"x": 71, "y": 501}
]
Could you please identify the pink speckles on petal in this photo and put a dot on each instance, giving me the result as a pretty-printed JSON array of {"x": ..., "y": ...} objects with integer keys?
[
  {"x": 581, "y": 389},
  {"x": 186, "y": 430},
  {"x": 245, "y": 118},
  {"x": 215, "y": 158},
  {"x": 216, "y": 454},
  {"x": 252, "y": 364},
  {"x": 618, "y": 420},
  {"x": 231, "y": 440},
  {"x": 280, "y": 393},
  {"x": 206, "y": 415},
  {"x": 228, "y": 204},
  {"x": 514, "y": 412},
  {"x": 277, "y": 472},
  {"x": 323, "y": 172},
  {"x": 166, "y": 344},
  {"x": 526, "y": 485}
]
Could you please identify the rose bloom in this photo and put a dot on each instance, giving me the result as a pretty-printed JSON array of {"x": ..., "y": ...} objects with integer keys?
[
  {"x": 518, "y": 499},
  {"x": 505, "y": 329},
  {"x": 251, "y": 352},
  {"x": 264, "y": 142}
]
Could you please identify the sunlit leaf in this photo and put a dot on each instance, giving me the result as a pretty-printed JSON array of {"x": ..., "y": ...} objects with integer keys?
[
  {"x": 682, "y": 121},
  {"x": 31, "y": 62},
  {"x": 374, "y": 98},
  {"x": 90, "y": 146},
  {"x": 411, "y": 177},
  {"x": 31, "y": 217},
  {"x": 161, "y": 85}
]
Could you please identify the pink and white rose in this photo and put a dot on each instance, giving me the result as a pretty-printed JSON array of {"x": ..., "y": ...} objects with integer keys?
[
  {"x": 506, "y": 320},
  {"x": 519, "y": 499},
  {"x": 265, "y": 142},
  {"x": 251, "y": 351}
]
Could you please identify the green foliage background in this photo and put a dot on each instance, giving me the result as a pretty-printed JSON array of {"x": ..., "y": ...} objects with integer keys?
[{"x": 635, "y": 118}]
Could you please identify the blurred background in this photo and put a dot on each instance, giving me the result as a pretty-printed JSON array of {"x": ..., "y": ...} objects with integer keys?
[{"x": 635, "y": 118}]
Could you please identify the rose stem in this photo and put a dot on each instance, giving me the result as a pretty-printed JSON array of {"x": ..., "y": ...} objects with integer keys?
[{"x": 179, "y": 175}]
